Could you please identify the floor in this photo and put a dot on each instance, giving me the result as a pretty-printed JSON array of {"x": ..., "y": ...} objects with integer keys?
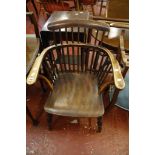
[{"x": 70, "y": 137}]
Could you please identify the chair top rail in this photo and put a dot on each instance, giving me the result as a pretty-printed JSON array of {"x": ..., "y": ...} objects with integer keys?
[{"x": 79, "y": 23}]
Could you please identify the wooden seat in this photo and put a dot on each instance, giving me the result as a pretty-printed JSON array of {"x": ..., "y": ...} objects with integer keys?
[{"x": 76, "y": 95}]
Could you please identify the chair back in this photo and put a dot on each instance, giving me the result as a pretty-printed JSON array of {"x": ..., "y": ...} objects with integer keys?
[
  {"x": 77, "y": 31},
  {"x": 73, "y": 50}
]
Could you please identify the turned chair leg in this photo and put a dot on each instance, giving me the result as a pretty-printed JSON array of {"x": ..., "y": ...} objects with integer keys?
[
  {"x": 49, "y": 121},
  {"x": 99, "y": 123}
]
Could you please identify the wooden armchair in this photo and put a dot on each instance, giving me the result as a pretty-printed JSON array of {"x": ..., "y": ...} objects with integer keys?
[{"x": 77, "y": 72}]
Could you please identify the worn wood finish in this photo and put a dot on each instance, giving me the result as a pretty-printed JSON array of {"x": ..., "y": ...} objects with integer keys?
[
  {"x": 77, "y": 70},
  {"x": 79, "y": 96}
]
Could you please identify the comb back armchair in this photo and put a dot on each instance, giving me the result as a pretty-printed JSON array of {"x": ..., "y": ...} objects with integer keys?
[{"x": 77, "y": 73}]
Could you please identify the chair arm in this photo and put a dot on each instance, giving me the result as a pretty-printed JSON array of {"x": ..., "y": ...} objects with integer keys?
[
  {"x": 32, "y": 76},
  {"x": 122, "y": 51},
  {"x": 118, "y": 78},
  {"x": 104, "y": 86}
]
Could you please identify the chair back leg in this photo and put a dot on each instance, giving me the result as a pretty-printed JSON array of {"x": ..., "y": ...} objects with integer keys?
[
  {"x": 49, "y": 121},
  {"x": 99, "y": 123}
]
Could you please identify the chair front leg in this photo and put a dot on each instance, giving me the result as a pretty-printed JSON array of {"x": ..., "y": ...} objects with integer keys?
[
  {"x": 99, "y": 123},
  {"x": 49, "y": 121}
]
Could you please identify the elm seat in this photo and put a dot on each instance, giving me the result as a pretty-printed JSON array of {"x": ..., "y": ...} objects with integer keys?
[{"x": 77, "y": 95}]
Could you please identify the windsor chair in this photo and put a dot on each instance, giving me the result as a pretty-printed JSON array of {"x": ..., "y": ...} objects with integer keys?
[{"x": 77, "y": 72}]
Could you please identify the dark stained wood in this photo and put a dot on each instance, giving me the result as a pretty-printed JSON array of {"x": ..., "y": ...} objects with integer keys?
[
  {"x": 75, "y": 100},
  {"x": 79, "y": 96}
]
